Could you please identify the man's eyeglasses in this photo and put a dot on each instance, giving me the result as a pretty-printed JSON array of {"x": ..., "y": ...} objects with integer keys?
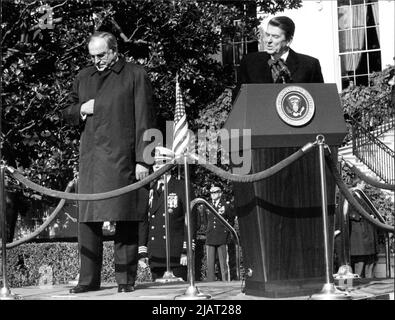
[
  {"x": 99, "y": 56},
  {"x": 213, "y": 192}
]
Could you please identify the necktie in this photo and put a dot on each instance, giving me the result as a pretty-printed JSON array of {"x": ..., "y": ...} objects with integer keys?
[{"x": 280, "y": 71}]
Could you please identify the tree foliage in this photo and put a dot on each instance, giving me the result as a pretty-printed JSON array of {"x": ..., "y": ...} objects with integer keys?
[
  {"x": 41, "y": 56},
  {"x": 369, "y": 105}
]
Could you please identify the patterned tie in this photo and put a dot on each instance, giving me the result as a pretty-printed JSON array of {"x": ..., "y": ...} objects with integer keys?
[{"x": 280, "y": 71}]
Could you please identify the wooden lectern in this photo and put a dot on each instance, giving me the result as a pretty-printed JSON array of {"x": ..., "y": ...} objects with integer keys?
[{"x": 280, "y": 218}]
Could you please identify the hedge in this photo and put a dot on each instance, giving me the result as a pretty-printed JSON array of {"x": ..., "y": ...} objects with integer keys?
[{"x": 24, "y": 261}]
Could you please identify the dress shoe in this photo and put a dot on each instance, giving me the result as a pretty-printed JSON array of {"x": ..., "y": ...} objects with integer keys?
[
  {"x": 79, "y": 288},
  {"x": 125, "y": 288}
]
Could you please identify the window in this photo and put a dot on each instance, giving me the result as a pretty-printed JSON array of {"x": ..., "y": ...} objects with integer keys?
[{"x": 359, "y": 40}]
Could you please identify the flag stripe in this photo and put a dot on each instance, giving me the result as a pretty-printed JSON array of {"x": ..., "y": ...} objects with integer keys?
[{"x": 180, "y": 128}]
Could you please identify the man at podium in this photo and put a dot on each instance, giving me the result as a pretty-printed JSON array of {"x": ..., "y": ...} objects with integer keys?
[
  {"x": 280, "y": 217},
  {"x": 279, "y": 63}
]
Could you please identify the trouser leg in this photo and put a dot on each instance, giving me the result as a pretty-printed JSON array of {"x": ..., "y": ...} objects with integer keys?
[
  {"x": 180, "y": 272},
  {"x": 126, "y": 251},
  {"x": 224, "y": 261},
  {"x": 90, "y": 245},
  {"x": 210, "y": 254},
  {"x": 358, "y": 268}
]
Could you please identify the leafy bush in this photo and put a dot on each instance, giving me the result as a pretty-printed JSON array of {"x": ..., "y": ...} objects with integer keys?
[
  {"x": 24, "y": 261},
  {"x": 370, "y": 106}
]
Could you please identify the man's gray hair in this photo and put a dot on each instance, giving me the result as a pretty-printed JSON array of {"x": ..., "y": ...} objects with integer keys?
[{"x": 108, "y": 37}]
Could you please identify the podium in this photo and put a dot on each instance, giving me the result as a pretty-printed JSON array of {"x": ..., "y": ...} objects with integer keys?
[{"x": 280, "y": 218}]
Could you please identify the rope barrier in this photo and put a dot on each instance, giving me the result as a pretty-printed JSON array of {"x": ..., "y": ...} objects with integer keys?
[
  {"x": 369, "y": 180},
  {"x": 88, "y": 197},
  {"x": 46, "y": 223},
  {"x": 259, "y": 175},
  {"x": 351, "y": 200}
]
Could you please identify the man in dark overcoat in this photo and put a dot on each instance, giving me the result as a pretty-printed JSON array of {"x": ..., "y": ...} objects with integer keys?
[
  {"x": 156, "y": 224},
  {"x": 112, "y": 102},
  {"x": 218, "y": 236}
]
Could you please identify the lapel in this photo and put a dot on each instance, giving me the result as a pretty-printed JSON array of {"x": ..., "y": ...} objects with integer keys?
[
  {"x": 101, "y": 78},
  {"x": 265, "y": 75},
  {"x": 292, "y": 62},
  {"x": 157, "y": 199}
]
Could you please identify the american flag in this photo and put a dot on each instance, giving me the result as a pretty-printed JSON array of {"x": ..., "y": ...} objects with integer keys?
[{"x": 180, "y": 129}]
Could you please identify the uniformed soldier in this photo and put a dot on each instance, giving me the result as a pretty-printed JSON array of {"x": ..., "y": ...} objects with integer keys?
[
  {"x": 217, "y": 235},
  {"x": 155, "y": 226}
]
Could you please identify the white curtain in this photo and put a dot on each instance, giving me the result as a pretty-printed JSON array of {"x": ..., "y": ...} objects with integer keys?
[
  {"x": 375, "y": 9},
  {"x": 358, "y": 16},
  {"x": 358, "y": 38}
]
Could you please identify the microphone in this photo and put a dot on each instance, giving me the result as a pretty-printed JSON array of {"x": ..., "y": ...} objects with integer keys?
[{"x": 280, "y": 71}]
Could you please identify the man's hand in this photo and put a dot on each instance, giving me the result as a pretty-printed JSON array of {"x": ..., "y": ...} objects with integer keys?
[
  {"x": 183, "y": 260},
  {"x": 87, "y": 107},
  {"x": 143, "y": 262},
  {"x": 141, "y": 172}
]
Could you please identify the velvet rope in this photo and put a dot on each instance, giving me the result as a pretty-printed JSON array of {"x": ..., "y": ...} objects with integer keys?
[
  {"x": 46, "y": 223},
  {"x": 89, "y": 197},
  {"x": 259, "y": 175},
  {"x": 350, "y": 198},
  {"x": 369, "y": 180}
]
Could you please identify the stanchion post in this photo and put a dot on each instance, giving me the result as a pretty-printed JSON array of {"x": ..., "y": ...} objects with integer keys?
[
  {"x": 192, "y": 292},
  {"x": 329, "y": 291},
  {"x": 5, "y": 292}
]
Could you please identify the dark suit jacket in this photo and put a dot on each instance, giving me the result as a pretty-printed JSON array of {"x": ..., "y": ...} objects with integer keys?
[{"x": 255, "y": 69}]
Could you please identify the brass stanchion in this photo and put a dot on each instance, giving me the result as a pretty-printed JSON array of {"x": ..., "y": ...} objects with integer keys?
[
  {"x": 5, "y": 292},
  {"x": 329, "y": 291},
  {"x": 192, "y": 292},
  {"x": 168, "y": 276}
]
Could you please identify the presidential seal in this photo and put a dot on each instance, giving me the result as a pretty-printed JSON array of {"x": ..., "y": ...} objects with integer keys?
[{"x": 295, "y": 106}]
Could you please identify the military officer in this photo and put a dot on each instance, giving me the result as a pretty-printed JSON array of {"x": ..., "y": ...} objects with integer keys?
[
  {"x": 217, "y": 235},
  {"x": 155, "y": 225}
]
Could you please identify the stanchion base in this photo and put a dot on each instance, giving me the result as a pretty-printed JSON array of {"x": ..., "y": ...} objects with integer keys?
[
  {"x": 192, "y": 293},
  {"x": 5, "y": 294},
  {"x": 345, "y": 271},
  {"x": 329, "y": 292},
  {"x": 169, "y": 277}
]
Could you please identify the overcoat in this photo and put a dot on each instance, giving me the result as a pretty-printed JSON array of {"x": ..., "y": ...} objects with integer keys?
[
  {"x": 155, "y": 230},
  {"x": 254, "y": 68},
  {"x": 112, "y": 138},
  {"x": 216, "y": 233},
  {"x": 363, "y": 235}
]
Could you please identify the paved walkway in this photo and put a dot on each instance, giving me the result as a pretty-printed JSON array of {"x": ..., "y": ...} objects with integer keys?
[{"x": 375, "y": 289}]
